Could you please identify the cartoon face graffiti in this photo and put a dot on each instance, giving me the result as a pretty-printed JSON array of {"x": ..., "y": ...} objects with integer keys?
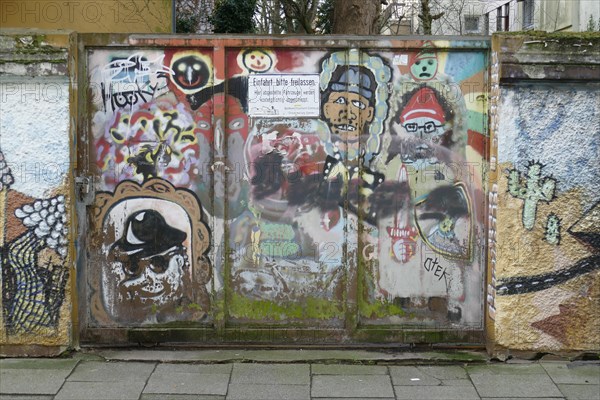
[
  {"x": 258, "y": 60},
  {"x": 424, "y": 66},
  {"x": 190, "y": 71},
  {"x": 348, "y": 104},
  {"x": 424, "y": 117},
  {"x": 148, "y": 267}
]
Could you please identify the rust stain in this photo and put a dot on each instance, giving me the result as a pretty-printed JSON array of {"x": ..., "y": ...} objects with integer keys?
[{"x": 14, "y": 226}]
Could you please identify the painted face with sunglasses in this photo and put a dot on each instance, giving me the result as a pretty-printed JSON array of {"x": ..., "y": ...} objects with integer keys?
[{"x": 148, "y": 268}]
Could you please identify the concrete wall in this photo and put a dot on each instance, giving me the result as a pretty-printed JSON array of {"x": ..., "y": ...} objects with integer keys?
[
  {"x": 35, "y": 192},
  {"x": 135, "y": 16},
  {"x": 543, "y": 217},
  {"x": 547, "y": 220}
]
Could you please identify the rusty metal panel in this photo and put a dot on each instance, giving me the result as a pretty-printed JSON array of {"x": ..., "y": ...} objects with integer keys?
[
  {"x": 287, "y": 259},
  {"x": 260, "y": 183}
]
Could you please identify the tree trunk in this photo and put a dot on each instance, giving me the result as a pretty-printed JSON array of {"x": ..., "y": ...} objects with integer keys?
[
  {"x": 427, "y": 18},
  {"x": 276, "y": 17},
  {"x": 356, "y": 17}
]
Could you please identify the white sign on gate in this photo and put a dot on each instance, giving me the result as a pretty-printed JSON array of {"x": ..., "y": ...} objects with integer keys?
[{"x": 283, "y": 95}]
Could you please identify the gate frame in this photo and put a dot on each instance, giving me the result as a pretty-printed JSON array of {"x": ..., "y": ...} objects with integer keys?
[{"x": 264, "y": 335}]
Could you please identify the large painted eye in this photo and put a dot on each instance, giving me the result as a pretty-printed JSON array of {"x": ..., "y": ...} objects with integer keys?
[
  {"x": 359, "y": 104},
  {"x": 236, "y": 123},
  {"x": 411, "y": 127},
  {"x": 430, "y": 62},
  {"x": 196, "y": 67},
  {"x": 418, "y": 63},
  {"x": 429, "y": 127},
  {"x": 159, "y": 263},
  {"x": 340, "y": 100}
]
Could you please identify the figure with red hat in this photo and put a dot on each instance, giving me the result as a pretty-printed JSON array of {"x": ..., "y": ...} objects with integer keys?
[{"x": 425, "y": 118}]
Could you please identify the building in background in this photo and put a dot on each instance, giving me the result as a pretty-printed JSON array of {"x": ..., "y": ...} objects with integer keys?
[
  {"x": 402, "y": 17},
  {"x": 484, "y": 17},
  {"x": 542, "y": 15}
]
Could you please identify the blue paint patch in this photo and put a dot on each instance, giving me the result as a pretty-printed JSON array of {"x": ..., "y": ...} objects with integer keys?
[
  {"x": 461, "y": 66},
  {"x": 558, "y": 126}
]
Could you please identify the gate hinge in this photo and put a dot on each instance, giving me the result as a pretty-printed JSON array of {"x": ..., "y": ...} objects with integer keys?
[{"x": 84, "y": 189}]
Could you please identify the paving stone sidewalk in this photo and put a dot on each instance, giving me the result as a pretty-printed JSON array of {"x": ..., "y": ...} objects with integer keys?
[{"x": 95, "y": 379}]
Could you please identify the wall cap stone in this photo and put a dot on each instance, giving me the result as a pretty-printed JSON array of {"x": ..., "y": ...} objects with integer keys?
[
  {"x": 34, "y": 52},
  {"x": 573, "y": 56}
]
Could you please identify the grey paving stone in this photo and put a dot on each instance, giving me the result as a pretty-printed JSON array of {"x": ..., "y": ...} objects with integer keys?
[
  {"x": 100, "y": 371},
  {"x": 505, "y": 385},
  {"x": 32, "y": 381},
  {"x": 580, "y": 392},
  {"x": 505, "y": 369},
  {"x": 523, "y": 398},
  {"x": 456, "y": 382},
  {"x": 445, "y": 372},
  {"x": 163, "y": 396},
  {"x": 24, "y": 397},
  {"x": 271, "y": 374},
  {"x": 268, "y": 392},
  {"x": 194, "y": 368},
  {"x": 341, "y": 369},
  {"x": 436, "y": 392},
  {"x": 347, "y": 398},
  {"x": 187, "y": 383},
  {"x": 101, "y": 390},
  {"x": 573, "y": 373},
  {"x": 38, "y": 363},
  {"x": 412, "y": 376},
  {"x": 352, "y": 386},
  {"x": 304, "y": 355}
]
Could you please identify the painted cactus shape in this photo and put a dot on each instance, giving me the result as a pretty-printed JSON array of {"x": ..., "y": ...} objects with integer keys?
[
  {"x": 531, "y": 188},
  {"x": 552, "y": 234}
]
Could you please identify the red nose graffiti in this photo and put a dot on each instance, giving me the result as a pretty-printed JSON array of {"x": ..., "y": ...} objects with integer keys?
[{"x": 190, "y": 72}]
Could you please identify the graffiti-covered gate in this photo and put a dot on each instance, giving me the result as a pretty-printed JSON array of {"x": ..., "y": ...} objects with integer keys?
[{"x": 263, "y": 190}]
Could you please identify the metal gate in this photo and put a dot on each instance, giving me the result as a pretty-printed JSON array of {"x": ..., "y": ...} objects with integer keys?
[{"x": 282, "y": 191}]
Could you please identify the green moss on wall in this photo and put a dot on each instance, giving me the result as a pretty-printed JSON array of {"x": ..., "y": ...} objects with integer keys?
[
  {"x": 268, "y": 310},
  {"x": 379, "y": 309}
]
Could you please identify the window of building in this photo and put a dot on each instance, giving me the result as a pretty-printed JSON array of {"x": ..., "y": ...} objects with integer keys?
[
  {"x": 486, "y": 24},
  {"x": 502, "y": 21},
  {"x": 471, "y": 23},
  {"x": 528, "y": 14}
]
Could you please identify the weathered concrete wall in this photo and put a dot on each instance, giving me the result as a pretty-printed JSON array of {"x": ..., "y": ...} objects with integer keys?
[
  {"x": 543, "y": 193},
  {"x": 547, "y": 221},
  {"x": 35, "y": 192}
]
